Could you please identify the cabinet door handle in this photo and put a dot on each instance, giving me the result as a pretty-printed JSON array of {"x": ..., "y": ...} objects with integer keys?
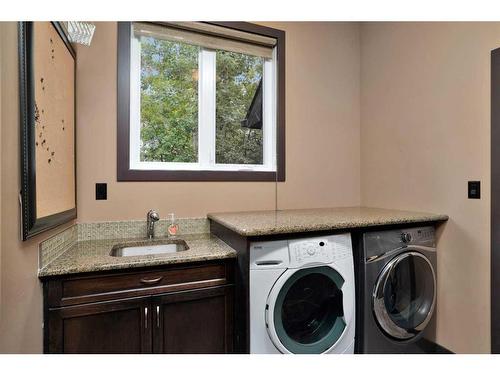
[
  {"x": 158, "y": 316},
  {"x": 146, "y": 317},
  {"x": 152, "y": 281}
]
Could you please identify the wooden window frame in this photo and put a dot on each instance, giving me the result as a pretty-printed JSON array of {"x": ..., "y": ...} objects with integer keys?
[{"x": 124, "y": 173}]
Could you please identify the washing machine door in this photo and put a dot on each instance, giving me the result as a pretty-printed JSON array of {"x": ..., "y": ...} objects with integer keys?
[
  {"x": 304, "y": 312},
  {"x": 405, "y": 295}
]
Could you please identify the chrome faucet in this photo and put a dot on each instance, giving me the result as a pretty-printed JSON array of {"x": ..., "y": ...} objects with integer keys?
[{"x": 151, "y": 218}]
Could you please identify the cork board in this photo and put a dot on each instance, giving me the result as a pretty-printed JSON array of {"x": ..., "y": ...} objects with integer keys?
[{"x": 54, "y": 96}]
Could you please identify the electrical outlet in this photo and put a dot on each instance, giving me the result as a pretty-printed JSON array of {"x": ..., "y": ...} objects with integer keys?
[{"x": 101, "y": 191}]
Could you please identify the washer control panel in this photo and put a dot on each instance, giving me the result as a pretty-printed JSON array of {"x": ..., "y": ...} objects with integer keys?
[
  {"x": 320, "y": 250},
  {"x": 309, "y": 251}
]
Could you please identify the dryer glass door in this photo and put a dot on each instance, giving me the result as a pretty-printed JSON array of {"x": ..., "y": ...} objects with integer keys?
[
  {"x": 308, "y": 315},
  {"x": 405, "y": 295}
]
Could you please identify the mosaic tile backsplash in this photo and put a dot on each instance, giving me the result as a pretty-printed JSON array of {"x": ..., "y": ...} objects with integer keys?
[{"x": 53, "y": 247}]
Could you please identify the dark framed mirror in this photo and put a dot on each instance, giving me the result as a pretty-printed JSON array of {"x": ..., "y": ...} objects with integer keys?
[{"x": 47, "y": 67}]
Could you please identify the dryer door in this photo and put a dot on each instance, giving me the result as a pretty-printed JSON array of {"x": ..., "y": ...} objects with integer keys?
[
  {"x": 405, "y": 295},
  {"x": 304, "y": 313}
]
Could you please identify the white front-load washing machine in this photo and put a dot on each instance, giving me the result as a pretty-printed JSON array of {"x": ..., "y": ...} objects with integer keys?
[{"x": 302, "y": 296}]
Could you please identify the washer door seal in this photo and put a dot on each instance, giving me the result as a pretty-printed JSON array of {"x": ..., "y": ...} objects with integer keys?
[
  {"x": 404, "y": 296},
  {"x": 305, "y": 311}
]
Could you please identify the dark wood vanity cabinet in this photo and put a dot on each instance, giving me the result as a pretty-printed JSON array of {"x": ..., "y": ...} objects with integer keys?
[
  {"x": 182, "y": 309},
  {"x": 193, "y": 322},
  {"x": 103, "y": 327}
]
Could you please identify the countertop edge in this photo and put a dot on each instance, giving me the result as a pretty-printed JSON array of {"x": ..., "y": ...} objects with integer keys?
[{"x": 131, "y": 266}]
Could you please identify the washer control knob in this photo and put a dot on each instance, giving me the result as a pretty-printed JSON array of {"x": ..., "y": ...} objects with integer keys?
[
  {"x": 406, "y": 237},
  {"x": 311, "y": 251}
]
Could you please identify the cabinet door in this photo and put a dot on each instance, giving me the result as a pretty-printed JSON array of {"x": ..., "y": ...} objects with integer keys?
[
  {"x": 121, "y": 326},
  {"x": 199, "y": 321}
]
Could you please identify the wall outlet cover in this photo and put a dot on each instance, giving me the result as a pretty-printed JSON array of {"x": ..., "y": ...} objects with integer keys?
[{"x": 101, "y": 191}]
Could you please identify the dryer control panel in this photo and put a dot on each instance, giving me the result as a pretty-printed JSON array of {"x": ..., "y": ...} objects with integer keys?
[
  {"x": 319, "y": 250},
  {"x": 381, "y": 242}
]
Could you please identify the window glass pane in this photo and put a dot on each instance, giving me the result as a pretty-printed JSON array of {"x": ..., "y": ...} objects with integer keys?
[
  {"x": 169, "y": 101},
  {"x": 238, "y": 108}
]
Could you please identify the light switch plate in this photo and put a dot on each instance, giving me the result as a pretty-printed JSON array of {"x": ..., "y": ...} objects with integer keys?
[{"x": 474, "y": 190}]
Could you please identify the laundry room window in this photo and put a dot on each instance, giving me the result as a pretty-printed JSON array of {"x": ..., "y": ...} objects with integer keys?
[{"x": 200, "y": 101}]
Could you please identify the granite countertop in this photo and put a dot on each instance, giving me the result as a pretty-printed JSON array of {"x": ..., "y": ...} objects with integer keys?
[
  {"x": 258, "y": 223},
  {"x": 93, "y": 255}
]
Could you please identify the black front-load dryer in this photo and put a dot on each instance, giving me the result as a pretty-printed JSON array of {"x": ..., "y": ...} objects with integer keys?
[{"x": 399, "y": 291}]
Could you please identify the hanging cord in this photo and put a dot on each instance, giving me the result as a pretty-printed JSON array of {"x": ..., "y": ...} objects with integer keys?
[{"x": 276, "y": 192}]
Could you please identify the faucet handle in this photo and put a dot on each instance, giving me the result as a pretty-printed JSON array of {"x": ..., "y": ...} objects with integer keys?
[{"x": 153, "y": 215}]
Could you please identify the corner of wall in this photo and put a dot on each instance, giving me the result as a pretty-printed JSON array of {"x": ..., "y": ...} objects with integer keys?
[{"x": 1, "y": 168}]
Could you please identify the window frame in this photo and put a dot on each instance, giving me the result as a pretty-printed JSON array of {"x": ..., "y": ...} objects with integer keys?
[{"x": 124, "y": 171}]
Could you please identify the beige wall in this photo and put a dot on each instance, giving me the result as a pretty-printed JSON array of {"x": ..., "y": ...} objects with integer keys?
[
  {"x": 1, "y": 122},
  {"x": 425, "y": 115},
  {"x": 322, "y": 134},
  {"x": 322, "y": 139},
  {"x": 20, "y": 291},
  {"x": 424, "y": 133}
]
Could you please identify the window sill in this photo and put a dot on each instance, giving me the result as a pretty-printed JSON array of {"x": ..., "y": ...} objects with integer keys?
[{"x": 156, "y": 175}]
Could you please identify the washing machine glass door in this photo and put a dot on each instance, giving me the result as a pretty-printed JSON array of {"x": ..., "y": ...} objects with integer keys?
[
  {"x": 305, "y": 311},
  {"x": 405, "y": 295}
]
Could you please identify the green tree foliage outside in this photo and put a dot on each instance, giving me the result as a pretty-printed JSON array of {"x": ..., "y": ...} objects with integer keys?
[
  {"x": 238, "y": 76},
  {"x": 169, "y": 101},
  {"x": 169, "y": 104}
]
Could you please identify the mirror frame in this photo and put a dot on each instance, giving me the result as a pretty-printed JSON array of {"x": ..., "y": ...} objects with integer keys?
[{"x": 30, "y": 224}]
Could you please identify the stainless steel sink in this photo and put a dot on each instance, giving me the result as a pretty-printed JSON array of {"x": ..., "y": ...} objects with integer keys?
[{"x": 139, "y": 248}]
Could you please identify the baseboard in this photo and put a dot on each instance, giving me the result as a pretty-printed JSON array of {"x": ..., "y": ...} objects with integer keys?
[{"x": 433, "y": 348}]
